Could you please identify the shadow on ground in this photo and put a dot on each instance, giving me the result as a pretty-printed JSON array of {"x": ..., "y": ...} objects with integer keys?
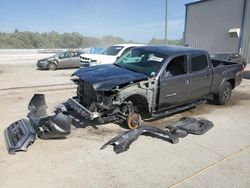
[{"x": 246, "y": 75}]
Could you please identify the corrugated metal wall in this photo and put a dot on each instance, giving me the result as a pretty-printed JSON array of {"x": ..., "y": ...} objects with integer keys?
[
  {"x": 245, "y": 47},
  {"x": 208, "y": 22}
]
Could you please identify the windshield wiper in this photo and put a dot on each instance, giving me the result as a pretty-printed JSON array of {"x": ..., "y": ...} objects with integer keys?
[
  {"x": 117, "y": 65},
  {"x": 135, "y": 71}
]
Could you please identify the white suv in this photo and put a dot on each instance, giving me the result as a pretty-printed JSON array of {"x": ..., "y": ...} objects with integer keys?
[{"x": 108, "y": 56}]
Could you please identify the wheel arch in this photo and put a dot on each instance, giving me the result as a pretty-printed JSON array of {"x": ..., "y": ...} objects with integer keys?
[
  {"x": 141, "y": 103},
  {"x": 53, "y": 61}
]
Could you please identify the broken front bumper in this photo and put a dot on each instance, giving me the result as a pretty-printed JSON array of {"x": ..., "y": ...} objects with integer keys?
[
  {"x": 19, "y": 135},
  {"x": 81, "y": 110}
]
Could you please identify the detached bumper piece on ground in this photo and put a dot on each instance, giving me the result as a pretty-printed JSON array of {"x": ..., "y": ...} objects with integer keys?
[
  {"x": 19, "y": 135},
  {"x": 22, "y": 133},
  {"x": 178, "y": 130}
]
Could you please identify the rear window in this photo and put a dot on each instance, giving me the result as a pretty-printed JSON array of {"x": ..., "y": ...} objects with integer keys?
[
  {"x": 199, "y": 62},
  {"x": 113, "y": 50}
]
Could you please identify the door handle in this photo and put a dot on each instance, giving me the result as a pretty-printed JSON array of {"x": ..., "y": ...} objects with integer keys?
[{"x": 171, "y": 95}]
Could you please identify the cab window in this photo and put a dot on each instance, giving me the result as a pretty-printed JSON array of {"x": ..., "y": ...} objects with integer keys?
[
  {"x": 177, "y": 66},
  {"x": 198, "y": 62}
]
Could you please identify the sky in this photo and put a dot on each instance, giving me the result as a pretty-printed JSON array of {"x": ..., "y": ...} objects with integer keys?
[{"x": 137, "y": 20}]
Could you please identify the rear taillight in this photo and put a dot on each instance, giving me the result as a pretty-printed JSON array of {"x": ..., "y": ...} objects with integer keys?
[{"x": 242, "y": 69}]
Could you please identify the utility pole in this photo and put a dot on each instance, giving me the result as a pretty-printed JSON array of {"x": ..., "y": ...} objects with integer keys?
[{"x": 166, "y": 24}]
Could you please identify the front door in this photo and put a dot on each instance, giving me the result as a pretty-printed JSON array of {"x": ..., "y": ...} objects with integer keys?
[
  {"x": 65, "y": 60},
  {"x": 174, "y": 83}
]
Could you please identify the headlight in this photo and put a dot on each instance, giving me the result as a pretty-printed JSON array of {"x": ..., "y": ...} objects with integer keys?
[
  {"x": 94, "y": 63},
  {"x": 75, "y": 79},
  {"x": 42, "y": 61}
]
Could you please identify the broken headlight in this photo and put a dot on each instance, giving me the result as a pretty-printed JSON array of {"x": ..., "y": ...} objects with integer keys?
[{"x": 75, "y": 79}]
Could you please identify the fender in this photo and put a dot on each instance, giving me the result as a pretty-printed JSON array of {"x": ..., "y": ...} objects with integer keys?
[
  {"x": 53, "y": 61},
  {"x": 143, "y": 89},
  {"x": 225, "y": 80}
]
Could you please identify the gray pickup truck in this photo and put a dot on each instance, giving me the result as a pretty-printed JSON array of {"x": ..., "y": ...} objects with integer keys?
[{"x": 150, "y": 82}]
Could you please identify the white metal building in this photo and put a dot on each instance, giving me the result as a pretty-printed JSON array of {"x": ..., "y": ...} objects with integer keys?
[{"x": 219, "y": 26}]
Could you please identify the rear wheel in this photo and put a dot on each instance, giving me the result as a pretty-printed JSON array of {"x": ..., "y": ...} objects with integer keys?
[
  {"x": 224, "y": 94},
  {"x": 52, "y": 66}
]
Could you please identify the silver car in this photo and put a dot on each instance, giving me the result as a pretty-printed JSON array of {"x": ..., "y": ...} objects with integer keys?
[{"x": 67, "y": 59}]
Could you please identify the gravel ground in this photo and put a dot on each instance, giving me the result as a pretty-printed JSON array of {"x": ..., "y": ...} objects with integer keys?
[{"x": 220, "y": 158}]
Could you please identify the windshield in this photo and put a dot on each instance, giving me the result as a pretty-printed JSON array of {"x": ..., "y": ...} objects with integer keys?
[
  {"x": 113, "y": 50},
  {"x": 142, "y": 61},
  {"x": 219, "y": 56},
  {"x": 58, "y": 54}
]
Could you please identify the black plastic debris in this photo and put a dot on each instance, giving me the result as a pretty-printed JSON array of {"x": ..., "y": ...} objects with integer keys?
[
  {"x": 197, "y": 126},
  {"x": 19, "y": 135},
  {"x": 175, "y": 131},
  {"x": 122, "y": 142},
  {"x": 47, "y": 127}
]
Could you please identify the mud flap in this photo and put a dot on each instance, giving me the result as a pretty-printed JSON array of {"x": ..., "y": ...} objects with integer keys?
[{"x": 19, "y": 135}]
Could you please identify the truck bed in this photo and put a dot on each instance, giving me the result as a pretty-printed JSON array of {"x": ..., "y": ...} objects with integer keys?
[
  {"x": 220, "y": 63},
  {"x": 222, "y": 69}
]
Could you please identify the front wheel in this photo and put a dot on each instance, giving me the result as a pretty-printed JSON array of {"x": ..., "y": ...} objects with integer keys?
[
  {"x": 134, "y": 120},
  {"x": 52, "y": 66},
  {"x": 224, "y": 94}
]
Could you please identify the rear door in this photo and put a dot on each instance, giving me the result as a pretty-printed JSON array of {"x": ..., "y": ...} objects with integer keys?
[
  {"x": 201, "y": 76},
  {"x": 75, "y": 60},
  {"x": 174, "y": 83}
]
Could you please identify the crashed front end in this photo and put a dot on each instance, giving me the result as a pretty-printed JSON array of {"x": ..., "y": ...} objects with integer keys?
[
  {"x": 105, "y": 106},
  {"x": 108, "y": 93}
]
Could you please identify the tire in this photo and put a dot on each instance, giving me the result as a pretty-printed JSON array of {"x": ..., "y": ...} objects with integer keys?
[
  {"x": 224, "y": 94},
  {"x": 52, "y": 66}
]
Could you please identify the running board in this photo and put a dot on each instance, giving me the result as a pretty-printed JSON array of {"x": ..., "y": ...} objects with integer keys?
[{"x": 177, "y": 109}]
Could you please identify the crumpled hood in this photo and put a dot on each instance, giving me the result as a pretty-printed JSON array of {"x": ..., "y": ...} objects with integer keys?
[
  {"x": 107, "y": 77},
  {"x": 105, "y": 59}
]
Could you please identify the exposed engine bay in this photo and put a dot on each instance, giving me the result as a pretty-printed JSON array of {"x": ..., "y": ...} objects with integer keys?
[{"x": 116, "y": 105}]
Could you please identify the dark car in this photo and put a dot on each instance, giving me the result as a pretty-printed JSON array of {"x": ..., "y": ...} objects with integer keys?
[
  {"x": 67, "y": 59},
  {"x": 152, "y": 81},
  {"x": 233, "y": 57}
]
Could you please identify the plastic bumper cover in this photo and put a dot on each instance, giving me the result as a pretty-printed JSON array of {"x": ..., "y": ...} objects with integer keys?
[{"x": 19, "y": 135}]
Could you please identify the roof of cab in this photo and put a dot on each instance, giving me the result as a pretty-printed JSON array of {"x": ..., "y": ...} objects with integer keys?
[
  {"x": 128, "y": 45},
  {"x": 169, "y": 50}
]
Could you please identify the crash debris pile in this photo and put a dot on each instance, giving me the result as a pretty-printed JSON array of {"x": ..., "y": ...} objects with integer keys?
[
  {"x": 22, "y": 133},
  {"x": 172, "y": 134}
]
